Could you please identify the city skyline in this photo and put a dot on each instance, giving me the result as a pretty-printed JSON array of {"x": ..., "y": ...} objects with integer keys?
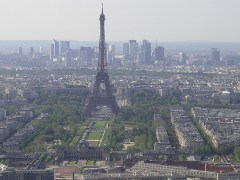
[{"x": 153, "y": 20}]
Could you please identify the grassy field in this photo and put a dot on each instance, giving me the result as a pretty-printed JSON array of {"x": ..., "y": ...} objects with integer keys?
[
  {"x": 100, "y": 124},
  {"x": 75, "y": 141},
  {"x": 93, "y": 143},
  {"x": 89, "y": 162},
  {"x": 72, "y": 162},
  {"x": 94, "y": 136}
]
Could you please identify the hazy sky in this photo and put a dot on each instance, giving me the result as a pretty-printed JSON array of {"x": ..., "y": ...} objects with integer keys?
[{"x": 162, "y": 20}]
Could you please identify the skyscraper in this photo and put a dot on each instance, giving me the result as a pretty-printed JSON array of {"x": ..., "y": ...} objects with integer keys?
[
  {"x": 146, "y": 49},
  {"x": 110, "y": 54},
  {"x": 64, "y": 47},
  {"x": 56, "y": 48},
  {"x": 86, "y": 55},
  {"x": 31, "y": 52},
  {"x": 158, "y": 55},
  {"x": 182, "y": 58},
  {"x": 41, "y": 50},
  {"x": 68, "y": 59},
  {"x": 126, "y": 51},
  {"x": 54, "y": 51},
  {"x": 133, "y": 50},
  {"x": 20, "y": 51},
  {"x": 215, "y": 55}
]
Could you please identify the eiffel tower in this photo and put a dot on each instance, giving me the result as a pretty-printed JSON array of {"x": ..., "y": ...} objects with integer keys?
[{"x": 97, "y": 99}]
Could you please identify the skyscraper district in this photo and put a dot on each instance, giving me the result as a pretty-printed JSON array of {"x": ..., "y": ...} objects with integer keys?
[{"x": 132, "y": 109}]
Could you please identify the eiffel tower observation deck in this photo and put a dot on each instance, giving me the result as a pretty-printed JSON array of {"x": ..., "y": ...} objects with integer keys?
[{"x": 102, "y": 78}]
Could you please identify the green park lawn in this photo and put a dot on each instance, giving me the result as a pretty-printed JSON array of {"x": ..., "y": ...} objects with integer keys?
[
  {"x": 94, "y": 135},
  {"x": 100, "y": 124},
  {"x": 75, "y": 141},
  {"x": 72, "y": 162},
  {"x": 93, "y": 143},
  {"x": 90, "y": 162}
]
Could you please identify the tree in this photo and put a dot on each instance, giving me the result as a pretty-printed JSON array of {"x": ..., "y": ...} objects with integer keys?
[
  {"x": 163, "y": 157},
  {"x": 237, "y": 152},
  {"x": 181, "y": 157},
  {"x": 232, "y": 157},
  {"x": 216, "y": 159}
]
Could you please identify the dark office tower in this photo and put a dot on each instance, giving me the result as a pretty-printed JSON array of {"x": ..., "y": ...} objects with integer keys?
[
  {"x": 133, "y": 50},
  {"x": 86, "y": 55},
  {"x": 20, "y": 51},
  {"x": 31, "y": 52},
  {"x": 67, "y": 59},
  {"x": 98, "y": 99},
  {"x": 182, "y": 58},
  {"x": 52, "y": 52},
  {"x": 56, "y": 48},
  {"x": 215, "y": 55},
  {"x": 158, "y": 55},
  {"x": 64, "y": 47},
  {"x": 146, "y": 48},
  {"x": 126, "y": 51},
  {"x": 140, "y": 58}
]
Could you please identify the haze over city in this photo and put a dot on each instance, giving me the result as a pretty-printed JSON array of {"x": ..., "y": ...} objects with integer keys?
[
  {"x": 172, "y": 20},
  {"x": 138, "y": 89}
]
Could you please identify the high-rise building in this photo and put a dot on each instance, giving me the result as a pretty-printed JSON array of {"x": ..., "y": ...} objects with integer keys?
[
  {"x": 158, "y": 55},
  {"x": 86, "y": 55},
  {"x": 56, "y": 48},
  {"x": 133, "y": 50},
  {"x": 110, "y": 54},
  {"x": 41, "y": 50},
  {"x": 54, "y": 51},
  {"x": 20, "y": 51},
  {"x": 31, "y": 52},
  {"x": 215, "y": 55},
  {"x": 68, "y": 61},
  {"x": 126, "y": 51},
  {"x": 182, "y": 58},
  {"x": 64, "y": 47},
  {"x": 140, "y": 58},
  {"x": 146, "y": 48}
]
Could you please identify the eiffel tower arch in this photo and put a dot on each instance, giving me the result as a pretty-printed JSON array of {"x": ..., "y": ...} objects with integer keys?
[{"x": 102, "y": 78}]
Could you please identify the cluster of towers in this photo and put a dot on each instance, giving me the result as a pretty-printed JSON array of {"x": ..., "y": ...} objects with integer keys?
[
  {"x": 86, "y": 56},
  {"x": 142, "y": 55},
  {"x": 59, "y": 50},
  {"x": 29, "y": 54}
]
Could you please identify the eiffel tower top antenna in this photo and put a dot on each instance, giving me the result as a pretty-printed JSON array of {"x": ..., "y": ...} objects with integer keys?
[
  {"x": 102, "y": 8},
  {"x": 102, "y": 64}
]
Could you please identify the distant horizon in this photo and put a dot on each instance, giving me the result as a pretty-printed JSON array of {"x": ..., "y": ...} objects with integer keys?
[
  {"x": 122, "y": 41},
  {"x": 13, "y": 45}
]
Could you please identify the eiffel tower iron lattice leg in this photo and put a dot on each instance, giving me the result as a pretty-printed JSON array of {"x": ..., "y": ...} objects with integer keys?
[{"x": 99, "y": 100}]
